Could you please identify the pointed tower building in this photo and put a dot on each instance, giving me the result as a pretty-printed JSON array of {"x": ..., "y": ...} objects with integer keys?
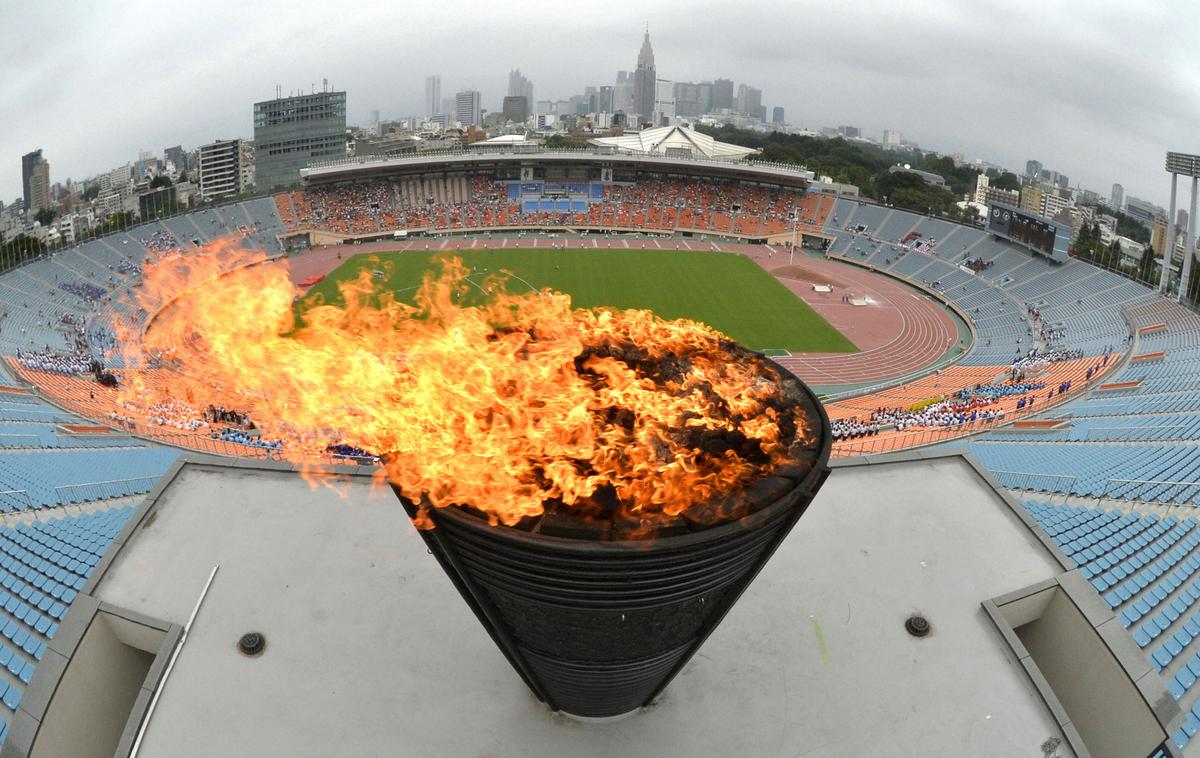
[{"x": 644, "y": 81}]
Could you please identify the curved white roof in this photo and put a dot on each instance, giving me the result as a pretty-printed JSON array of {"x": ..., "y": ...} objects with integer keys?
[{"x": 660, "y": 140}]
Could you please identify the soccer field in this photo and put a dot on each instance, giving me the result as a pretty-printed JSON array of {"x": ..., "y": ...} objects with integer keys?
[{"x": 728, "y": 292}]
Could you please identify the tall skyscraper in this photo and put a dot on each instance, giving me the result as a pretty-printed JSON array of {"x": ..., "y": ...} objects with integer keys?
[
  {"x": 292, "y": 132},
  {"x": 1033, "y": 169},
  {"x": 466, "y": 107},
  {"x": 520, "y": 86},
  {"x": 623, "y": 92},
  {"x": 433, "y": 95},
  {"x": 1118, "y": 197},
  {"x": 749, "y": 100},
  {"x": 28, "y": 161},
  {"x": 604, "y": 103},
  {"x": 722, "y": 94},
  {"x": 664, "y": 100},
  {"x": 645, "y": 81},
  {"x": 692, "y": 99},
  {"x": 39, "y": 187},
  {"x": 777, "y": 115}
]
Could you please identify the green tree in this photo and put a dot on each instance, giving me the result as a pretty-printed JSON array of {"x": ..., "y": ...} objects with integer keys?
[
  {"x": 45, "y": 216},
  {"x": 91, "y": 192},
  {"x": 1146, "y": 266},
  {"x": 20, "y": 248},
  {"x": 1006, "y": 181},
  {"x": 160, "y": 181},
  {"x": 1193, "y": 290}
]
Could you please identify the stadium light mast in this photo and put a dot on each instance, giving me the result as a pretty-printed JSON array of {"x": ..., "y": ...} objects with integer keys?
[{"x": 1187, "y": 165}]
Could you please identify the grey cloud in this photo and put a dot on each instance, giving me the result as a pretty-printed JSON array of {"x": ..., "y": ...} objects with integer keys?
[{"x": 1098, "y": 90}]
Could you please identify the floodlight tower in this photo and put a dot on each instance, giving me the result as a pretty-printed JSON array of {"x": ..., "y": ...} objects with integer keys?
[{"x": 1187, "y": 165}]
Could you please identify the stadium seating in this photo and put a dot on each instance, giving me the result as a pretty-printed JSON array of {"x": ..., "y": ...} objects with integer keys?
[
  {"x": 1147, "y": 569},
  {"x": 1134, "y": 443},
  {"x": 43, "y": 565}
]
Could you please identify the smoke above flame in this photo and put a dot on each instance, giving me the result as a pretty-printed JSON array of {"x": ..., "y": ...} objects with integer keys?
[{"x": 512, "y": 406}]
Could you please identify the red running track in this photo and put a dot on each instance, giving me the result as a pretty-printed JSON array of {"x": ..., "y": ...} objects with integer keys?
[{"x": 900, "y": 332}]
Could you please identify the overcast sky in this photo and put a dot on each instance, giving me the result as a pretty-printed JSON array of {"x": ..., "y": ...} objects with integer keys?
[{"x": 1097, "y": 90}]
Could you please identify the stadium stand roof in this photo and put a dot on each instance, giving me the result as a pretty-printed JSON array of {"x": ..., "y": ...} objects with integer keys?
[
  {"x": 370, "y": 651},
  {"x": 674, "y": 140}
]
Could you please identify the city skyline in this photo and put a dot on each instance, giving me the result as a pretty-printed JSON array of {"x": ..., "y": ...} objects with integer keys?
[{"x": 994, "y": 111}]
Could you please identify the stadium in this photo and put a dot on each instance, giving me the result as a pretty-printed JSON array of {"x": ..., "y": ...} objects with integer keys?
[{"x": 1012, "y": 450}]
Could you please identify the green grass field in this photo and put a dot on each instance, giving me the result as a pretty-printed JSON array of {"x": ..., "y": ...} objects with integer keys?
[{"x": 728, "y": 292}]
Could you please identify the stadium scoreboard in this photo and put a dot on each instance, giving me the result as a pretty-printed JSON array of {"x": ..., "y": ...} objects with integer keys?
[{"x": 1040, "y": 235}]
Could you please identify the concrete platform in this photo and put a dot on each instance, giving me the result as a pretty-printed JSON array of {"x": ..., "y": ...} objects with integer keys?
[{"x": 370, "y": 652}]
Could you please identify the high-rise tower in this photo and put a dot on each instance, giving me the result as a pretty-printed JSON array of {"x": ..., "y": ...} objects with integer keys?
[{"x": 645, "y": 80}]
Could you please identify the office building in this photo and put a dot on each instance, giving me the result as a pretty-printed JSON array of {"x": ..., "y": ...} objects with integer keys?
[
  {"x": 220, "y": 169},
  {"x": 38, "y": 197},
  {"x": 891, "y": 138},
  {"x": 722, "y": 94},
  {"x": 749, "y": 100},
  {"x": 177, "y": 157},
  {"x": 605, "y": 99},
  {"x": 1142, "y": 210},
  {"x": 467, "y": 107},
  {"x": 1054, "y": 203},
  {"x": 664, "y": 102},
  {"x": 1033, "y": 169},
  {"x": 433, "y": 96},
  {"x": 519, "y": 85},
  {"x": 623, "y": 92},
  {"x": 692, "y": 99},
  {"x": 986, "y": 195},
  {"x": 850, "y": 132},
  {"x": 1117, "y": 198},
  {"x": 1032, "y": 199},
  {"x": 292, "y": 132},
  {"x": 515, "y": 109},
  {"x": 777, "y": 115},
  {"x": 28, "y": 162},
  {"x": 645, "y": 81}
]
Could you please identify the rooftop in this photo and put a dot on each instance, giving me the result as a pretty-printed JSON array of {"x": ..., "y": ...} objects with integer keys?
[
  {"x": 369, "y": 650},
  {"x": 669, "y": 140}
]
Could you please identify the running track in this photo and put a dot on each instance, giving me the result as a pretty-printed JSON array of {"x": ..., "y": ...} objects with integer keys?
[{"x": 901, "y": 332}]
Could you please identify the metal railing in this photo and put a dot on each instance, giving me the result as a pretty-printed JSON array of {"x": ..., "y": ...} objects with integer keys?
[
  {"x": 15, "y": 500},
  {"x": 105, "y": 490},
  {"x": 1150, "y": 490},
  {"x": 1029, "y": 480}
]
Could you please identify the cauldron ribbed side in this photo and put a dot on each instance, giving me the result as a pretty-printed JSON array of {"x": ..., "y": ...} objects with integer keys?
[{"x": 599, "y": 628}]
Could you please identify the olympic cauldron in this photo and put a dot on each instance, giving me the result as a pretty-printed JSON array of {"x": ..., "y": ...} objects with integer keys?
[{"x": 598, "y": 616}]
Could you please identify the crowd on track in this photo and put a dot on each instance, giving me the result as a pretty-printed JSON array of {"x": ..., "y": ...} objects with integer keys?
[
  {"x": 342, "y": 450},
  {"x": 1036, "y": 359},
  {"x": 67, "y": 364},
  {"x": 90, "y": 292},
  {"x": 175, "y": 414},
  {"x": 160, "y": 242},
  {"x": 946, "y": 413},
  {"x": 241, "y": 438}
]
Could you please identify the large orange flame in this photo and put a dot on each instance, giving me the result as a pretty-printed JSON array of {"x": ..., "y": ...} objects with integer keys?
[{"x": 509, "y": 406}]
